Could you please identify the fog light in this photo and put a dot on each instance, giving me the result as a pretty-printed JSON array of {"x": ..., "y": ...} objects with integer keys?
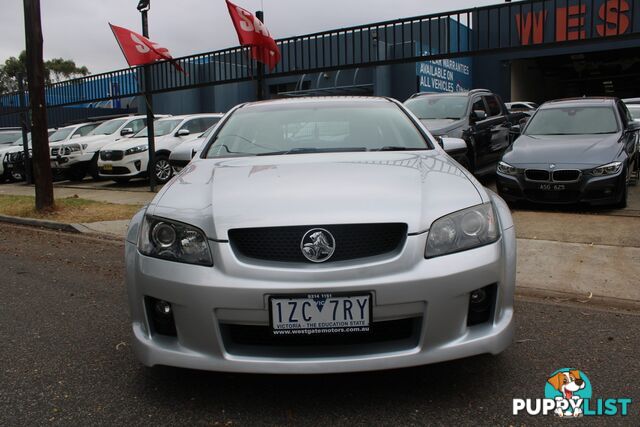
[
  {"x": 160, "y": 315},
  {"x": 481, "y": 304},
  {"x": 163, "y": 308},
  {"x": 478, "y": 296},
  {"x": 137, "y": 164}
]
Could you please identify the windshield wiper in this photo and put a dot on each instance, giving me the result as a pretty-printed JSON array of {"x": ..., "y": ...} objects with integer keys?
[
  {"x": 398, "y": 148},
  {"x": 305, "y": 150}
]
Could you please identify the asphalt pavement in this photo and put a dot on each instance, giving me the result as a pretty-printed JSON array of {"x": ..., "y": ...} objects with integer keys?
[{"x": 66, "y": 359}]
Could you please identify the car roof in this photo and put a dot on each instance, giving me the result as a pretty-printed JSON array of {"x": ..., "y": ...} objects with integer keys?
[
  {"x": 316, "y": 99},
  {"x": 189, "y": 116},
  {"x": 465, "y": 93},
  {"x": 580, "y": 102}
]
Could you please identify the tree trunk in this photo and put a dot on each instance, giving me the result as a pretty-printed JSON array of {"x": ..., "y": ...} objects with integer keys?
[{"x": 40, "y": 139}]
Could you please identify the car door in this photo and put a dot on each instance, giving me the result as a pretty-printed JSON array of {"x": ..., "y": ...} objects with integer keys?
[
  {"x": 480, "y": 132},
  {"x": 498, "y": 125}
]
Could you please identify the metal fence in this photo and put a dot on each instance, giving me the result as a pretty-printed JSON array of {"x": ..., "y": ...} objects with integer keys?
[{"x": 518, "y": 25}]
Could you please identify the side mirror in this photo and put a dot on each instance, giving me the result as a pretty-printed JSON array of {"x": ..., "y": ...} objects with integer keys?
[
  {"x": 478, "y": 115},
  {"x": 454, "y": 146},
  {"x": 183, "y": 132},
  {"x": 126, "y": 131}
]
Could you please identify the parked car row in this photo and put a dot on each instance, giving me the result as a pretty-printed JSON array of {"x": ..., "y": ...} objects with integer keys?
[{"x": 116, "y": 149}]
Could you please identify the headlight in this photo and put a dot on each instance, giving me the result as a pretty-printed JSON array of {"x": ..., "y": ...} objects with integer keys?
[
  {"x": 68, "y": 149},
  {"x": 462, "y": 230},
  {"x": 173, "y": 241},
  {"x": 608, "y": 169},
  {"x": 507, "y": 169},
  {"x": 136, "y": 149}
]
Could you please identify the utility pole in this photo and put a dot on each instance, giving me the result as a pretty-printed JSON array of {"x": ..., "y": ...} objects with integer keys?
[
  {"x": 260, "y": 94},
  {"x": 24, "y": 117},
  {"x": 143, "y": 8},
  {"x": 39, "y": 136}
]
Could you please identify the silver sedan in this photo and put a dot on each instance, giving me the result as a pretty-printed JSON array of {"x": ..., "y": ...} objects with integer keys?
[{"x": 320, "y": 235}]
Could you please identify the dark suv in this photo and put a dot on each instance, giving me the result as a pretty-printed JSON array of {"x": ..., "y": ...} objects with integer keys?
[{"x": 478, "y": 116}]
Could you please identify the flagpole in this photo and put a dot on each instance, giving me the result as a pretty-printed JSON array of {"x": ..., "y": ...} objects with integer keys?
[
  {"x": 260, "y": 77},
  {"x": 144, "y": 7}
]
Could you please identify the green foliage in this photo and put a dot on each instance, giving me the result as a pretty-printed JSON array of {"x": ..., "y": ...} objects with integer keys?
[{"x": 56, "y": 69}]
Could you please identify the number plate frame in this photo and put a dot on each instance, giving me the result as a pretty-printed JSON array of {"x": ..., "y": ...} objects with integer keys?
[{"x": 321, "y": 330}]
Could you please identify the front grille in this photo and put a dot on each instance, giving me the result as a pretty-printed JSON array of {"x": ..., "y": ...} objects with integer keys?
[
  {"x": 393, "y": 335},
  {"x": 537, "y": 175},
  {"x": 352, "y": 241},
  {"x": 111, "y": 155},
  {"x": 15, "y": 157},
  {"x": 117, "y": 170},
  {"x": 552, "y": 196},
  {"x": 566, "y": 175}
]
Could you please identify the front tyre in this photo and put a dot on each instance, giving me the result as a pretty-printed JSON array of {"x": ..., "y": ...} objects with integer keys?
[
  {"x": 162, "y": 169},
  {"x": 76, "y": 174}
]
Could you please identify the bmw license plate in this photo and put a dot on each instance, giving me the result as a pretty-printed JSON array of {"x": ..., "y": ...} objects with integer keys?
[
  {"x": 320, "y": 314},
  {"x": 552, "y": 187}
]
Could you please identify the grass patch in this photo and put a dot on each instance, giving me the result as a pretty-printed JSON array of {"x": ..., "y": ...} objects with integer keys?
[{"x": 68, "y": 210}]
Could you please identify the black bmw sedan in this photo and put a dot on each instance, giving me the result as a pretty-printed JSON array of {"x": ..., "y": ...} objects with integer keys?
[{"x": 570, "y": 151}]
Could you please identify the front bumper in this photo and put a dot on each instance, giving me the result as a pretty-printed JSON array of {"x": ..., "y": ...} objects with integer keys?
[
  {"x": 434, "y": 293},
  {"x": 130, "y": 166},
  {"x": 595, "y": 190},
  {"x": 72, "y": 160}
]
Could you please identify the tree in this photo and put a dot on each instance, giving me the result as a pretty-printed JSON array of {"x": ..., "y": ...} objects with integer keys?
[{"x": 55, "y": 69}]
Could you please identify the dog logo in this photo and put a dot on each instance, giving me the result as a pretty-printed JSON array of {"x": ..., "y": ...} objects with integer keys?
[
  {"x": 568, "y": 386},
  {"x": 568, "y": 393},
  {"x": 552, "y": 166},
  {"x": 317, "y": 245}
]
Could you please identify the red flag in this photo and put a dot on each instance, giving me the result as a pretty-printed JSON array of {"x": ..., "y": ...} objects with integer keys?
[
  {"x": 139, "y": 50},
  {"x": 252, "y": 32}
]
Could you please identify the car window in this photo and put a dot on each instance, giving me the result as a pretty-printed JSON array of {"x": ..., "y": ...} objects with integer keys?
[
  {"x": 479, "y": 106},
  {"x": 438, "y": 107},
  {"x": 634, "y": 111},
  {"x": 137, "y": 125},
  {"x": 199, "y": 125},
  {"x": 9, "y": 137},
  {"x": 572, "y": 121},
  {"x": 329, "y": 126},
  {"x": 493, "y": 105},
  {"x": 108, "y": 127},
  {"x": 84, "y": 130},
  {"x": 624, "y": 114},
  {"x": 60, "y": 134},
  {"x": 160, "y": 128}
]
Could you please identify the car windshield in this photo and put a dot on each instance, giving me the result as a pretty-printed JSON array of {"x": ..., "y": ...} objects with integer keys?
[
  {"x": 160, "y": 128},
  {"x": 438, "y": 107},
  {"x": 572, "y": 121},
  {"x": 60, "y": 134},
  {"x": 634, "y": 110},
  {"x": 109, "y": 127},
  {"x": 295, "y": 128},
  {"x": 18, "y": 142},
  {"x": 208, "y": 132},
  {"x": 9, "y": 137}
]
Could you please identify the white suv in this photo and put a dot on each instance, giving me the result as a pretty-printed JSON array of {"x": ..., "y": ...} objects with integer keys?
[
  {"x": 126, "y": 159},
  {"x": 78, "y": 157}
]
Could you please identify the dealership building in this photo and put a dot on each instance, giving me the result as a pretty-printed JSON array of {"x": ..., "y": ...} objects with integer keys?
[{"x": 524, "y": 51}]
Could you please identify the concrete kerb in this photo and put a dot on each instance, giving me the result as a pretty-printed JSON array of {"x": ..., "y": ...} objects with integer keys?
[{"x": 57, "y": 226}]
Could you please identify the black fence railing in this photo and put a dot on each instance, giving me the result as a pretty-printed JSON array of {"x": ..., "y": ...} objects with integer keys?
[{"x": 522, "y": 24}]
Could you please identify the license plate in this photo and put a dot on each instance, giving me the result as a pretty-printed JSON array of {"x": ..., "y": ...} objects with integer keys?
[
  {"x": 107, "y": 167},
  {"x": 552, "y": 187},
  {"x": 320, "y": 314}
]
